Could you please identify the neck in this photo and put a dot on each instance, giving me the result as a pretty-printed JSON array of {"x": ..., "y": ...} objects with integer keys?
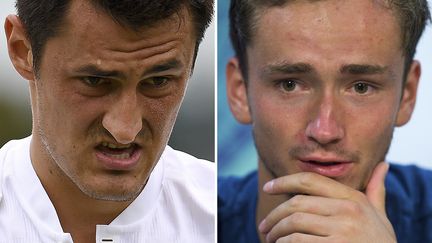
[
  {"x": 78, "y": 213},
  {"x": 266, "y": 202}
]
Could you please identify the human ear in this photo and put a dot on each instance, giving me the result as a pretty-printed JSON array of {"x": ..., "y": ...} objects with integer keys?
[
  {"x": 19, "y": 47},
  {"x": 237, "y": 92},
  {"x": 409, "y": 94}
]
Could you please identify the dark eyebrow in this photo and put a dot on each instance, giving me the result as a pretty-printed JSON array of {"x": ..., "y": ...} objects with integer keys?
[
  {"x": 96, "y": 71},
  {"x": 289, "y": 68},
  {"x": 362, "y": 69},
  {"x": 169, "y": 65}
]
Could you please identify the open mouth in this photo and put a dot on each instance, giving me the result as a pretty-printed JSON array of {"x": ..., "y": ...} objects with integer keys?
[
  {"x": 118, "y": 156},
  {"x": 117, "y": 151}
]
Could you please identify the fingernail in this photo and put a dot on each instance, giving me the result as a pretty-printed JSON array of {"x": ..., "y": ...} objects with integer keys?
[
  {"x": 261, "y": 226},
  {"x": 268, "y": 186}
]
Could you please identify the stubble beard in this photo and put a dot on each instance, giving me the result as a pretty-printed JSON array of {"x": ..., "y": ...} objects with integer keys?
[
  {"x": 276, "y": 171},
  {"x": 57, "y": 160}
]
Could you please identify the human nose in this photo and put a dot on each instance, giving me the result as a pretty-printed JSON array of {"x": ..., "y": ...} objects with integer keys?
[
  {"x": 123, "y": 119},
  {"x": 325, "y": 128}
]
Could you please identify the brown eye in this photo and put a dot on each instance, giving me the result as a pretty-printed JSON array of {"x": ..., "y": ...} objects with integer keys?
[
  {"x": 156, "y": 81},
  {"x": 92, "y": 81},
  {"x": 361, "y": 88},
  {"x": 159, "y": 81},
  {"x": 288, "y": 85}
]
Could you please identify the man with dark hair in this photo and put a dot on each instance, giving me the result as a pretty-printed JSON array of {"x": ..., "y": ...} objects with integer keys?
[
  {"x": 106, "y": 81},
  {"x": 323, "y": 84}
]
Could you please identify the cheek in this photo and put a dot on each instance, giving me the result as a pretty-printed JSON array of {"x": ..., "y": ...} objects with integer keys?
[
  {"x": 51, "y": 109},
  {"x": 275, "y": 126},
  {"x": 372, "y": 137},
  {"x": 267, "y": 120},
  {"x": 160, "y": 114},
  {"x": 371, "y": 133},
  {"x": 277, "y": 119},
  {"x": 67, "y": 116}
]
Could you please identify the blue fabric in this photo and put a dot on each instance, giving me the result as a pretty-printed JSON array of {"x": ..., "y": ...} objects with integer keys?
[{"x": 408, "y": 200}]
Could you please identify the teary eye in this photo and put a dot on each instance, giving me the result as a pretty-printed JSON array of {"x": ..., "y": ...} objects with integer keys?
[
  {"x": 361, "y": 88},
  {"x": 288, "y": 85}
]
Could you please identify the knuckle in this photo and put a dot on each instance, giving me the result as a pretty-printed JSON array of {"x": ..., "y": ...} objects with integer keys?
[
  {"x": 278, "y": 230},
  {"x": 350, "y": 227},
  {"x": 296, "y": 201},
  {"x": 285, "y": 223},
  {"x": 354, "y": 208},
  {"x": 295, "y": 219},
  {"x": 306, "y": 179}
]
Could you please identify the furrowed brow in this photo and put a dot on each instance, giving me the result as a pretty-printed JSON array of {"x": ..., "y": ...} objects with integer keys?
[
  {"x": 173, "y": 64},
  {"x": 362, "y": 69},
  {"x": 94, "y": 70}
]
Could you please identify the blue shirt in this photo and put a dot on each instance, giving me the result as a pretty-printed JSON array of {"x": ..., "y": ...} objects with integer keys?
[{"x": 408, "y": 205}]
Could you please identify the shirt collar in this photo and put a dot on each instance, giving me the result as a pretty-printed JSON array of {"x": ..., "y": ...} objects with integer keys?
[
  {"x": 31, "y": 193},
  {"x": 146, "y": 200},
  {"x": 39, "y": 207}
]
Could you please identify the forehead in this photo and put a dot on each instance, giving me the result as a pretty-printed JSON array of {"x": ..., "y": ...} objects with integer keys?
[
  {"x": 324, "y": 22},
  {"x": 83, "y": 16},
  {"x": 327, "y": 35},
  {"x": 89, "y": 35}
]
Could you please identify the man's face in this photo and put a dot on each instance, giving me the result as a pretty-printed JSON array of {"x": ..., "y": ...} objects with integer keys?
[
  {"x": 324, "y": 88},
  {"x": 107, "y": 98}
]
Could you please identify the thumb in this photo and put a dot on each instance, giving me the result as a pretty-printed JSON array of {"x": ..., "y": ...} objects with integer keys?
[{"x": 375, "y": 190}]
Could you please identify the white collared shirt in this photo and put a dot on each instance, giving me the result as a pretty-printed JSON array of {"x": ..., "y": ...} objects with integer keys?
[{"x": 176, "y": 205}]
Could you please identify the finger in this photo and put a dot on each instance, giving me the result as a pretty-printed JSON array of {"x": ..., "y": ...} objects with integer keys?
[
  {"x": 300, "y": 203},
  {"x": 304, "y": 223},
  {"x": 303, "y": 238},
  {"x": 310, "y": 184},
  {"x": 375, "y": 190}
]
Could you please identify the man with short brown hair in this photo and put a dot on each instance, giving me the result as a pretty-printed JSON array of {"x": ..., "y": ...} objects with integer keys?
[{"x": 323, "y": 84}]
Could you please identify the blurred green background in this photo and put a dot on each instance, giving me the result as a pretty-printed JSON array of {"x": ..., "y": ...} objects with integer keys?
[{"x": 15, "y": 119}]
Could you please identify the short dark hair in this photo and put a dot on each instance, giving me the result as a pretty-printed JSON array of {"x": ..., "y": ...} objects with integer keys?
[
  {"x": 43, "y": 18},
  {"x": 413, "y": 16}
]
